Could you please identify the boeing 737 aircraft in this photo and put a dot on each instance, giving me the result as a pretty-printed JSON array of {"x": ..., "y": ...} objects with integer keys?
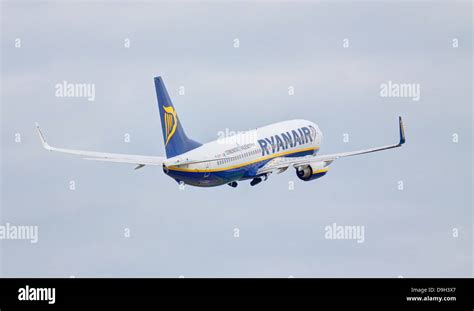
[{"x": 251, "y": 155}]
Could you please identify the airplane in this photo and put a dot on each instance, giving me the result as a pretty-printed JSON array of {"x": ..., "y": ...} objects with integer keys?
[{"x": 251, "y": 155}]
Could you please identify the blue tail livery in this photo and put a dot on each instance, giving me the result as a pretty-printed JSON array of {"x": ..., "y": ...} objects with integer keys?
[{"x": 176, "y": 140}]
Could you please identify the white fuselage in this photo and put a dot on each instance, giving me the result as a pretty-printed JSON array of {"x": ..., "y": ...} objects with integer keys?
[{"x": 240, "y": 156}]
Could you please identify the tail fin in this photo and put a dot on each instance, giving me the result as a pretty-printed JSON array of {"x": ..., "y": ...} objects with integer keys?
[{"x": 176, "y": 141}]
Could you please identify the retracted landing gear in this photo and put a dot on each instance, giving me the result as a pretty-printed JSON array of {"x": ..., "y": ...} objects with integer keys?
[
  {"x": 233, "y": 184},
  {"x": 258, "y": 180}
]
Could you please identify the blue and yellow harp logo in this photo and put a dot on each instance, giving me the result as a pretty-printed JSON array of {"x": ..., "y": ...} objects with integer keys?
[{"x": 170, "y": 119}]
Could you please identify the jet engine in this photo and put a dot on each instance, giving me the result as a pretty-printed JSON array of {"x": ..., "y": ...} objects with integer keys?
[{"x": 312, "y": 171}]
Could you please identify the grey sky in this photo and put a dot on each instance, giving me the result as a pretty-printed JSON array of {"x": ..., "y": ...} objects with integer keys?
[{"x": 191, "y": 232}]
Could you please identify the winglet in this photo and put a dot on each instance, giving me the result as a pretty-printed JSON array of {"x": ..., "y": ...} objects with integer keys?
[
  {"x": 402, "y": 131},
  {"x": 43, "y": 141}
]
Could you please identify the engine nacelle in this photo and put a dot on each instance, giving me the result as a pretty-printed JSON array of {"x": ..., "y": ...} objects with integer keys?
[{"x": 312, "y": 171}]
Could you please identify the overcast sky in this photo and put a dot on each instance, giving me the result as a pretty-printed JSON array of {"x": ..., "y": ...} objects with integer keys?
[{"x": 190, "y": 232}]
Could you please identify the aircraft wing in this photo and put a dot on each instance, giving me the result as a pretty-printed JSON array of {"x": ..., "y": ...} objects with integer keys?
[
  {"x": 281, "y": 164},
  {"x": 138, "y": 160}
]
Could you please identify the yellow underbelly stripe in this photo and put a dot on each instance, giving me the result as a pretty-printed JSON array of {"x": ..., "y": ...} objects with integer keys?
[{"x": 219, "y": 169}]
